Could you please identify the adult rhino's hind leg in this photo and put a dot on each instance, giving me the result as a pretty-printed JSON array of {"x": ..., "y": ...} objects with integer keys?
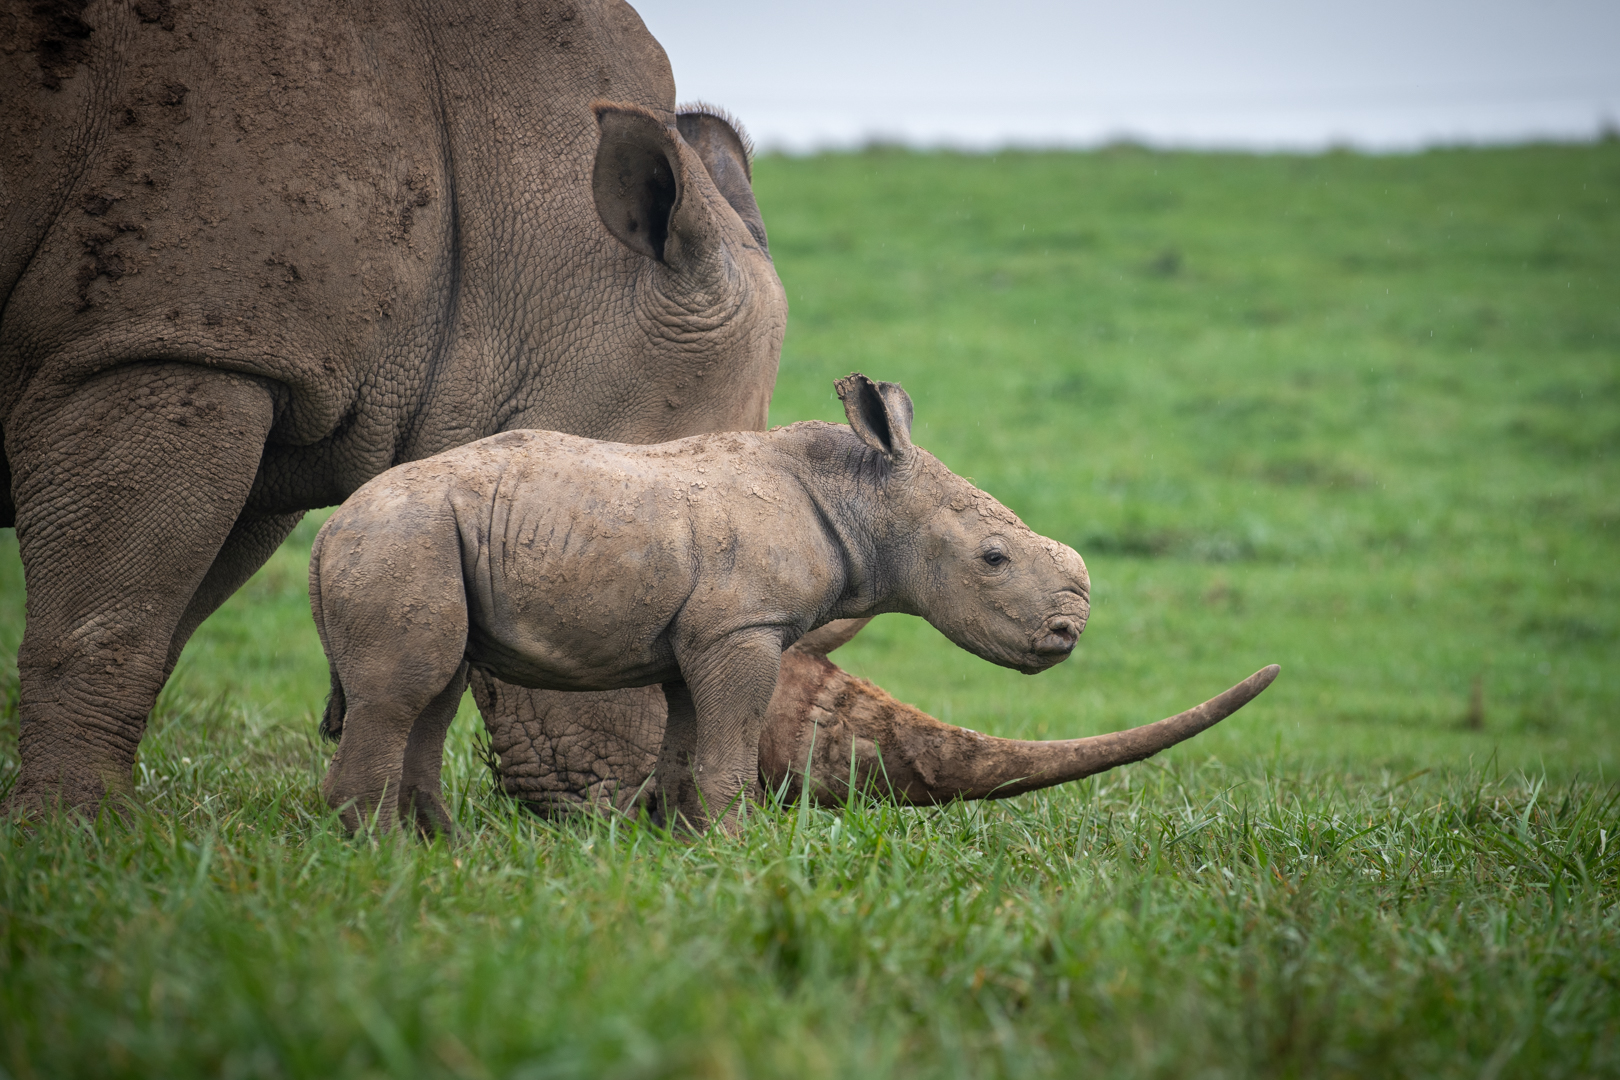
[{"x": 125, "y": 488}]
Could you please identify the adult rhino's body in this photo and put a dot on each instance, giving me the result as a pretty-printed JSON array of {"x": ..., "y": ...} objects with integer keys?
[{"x": 252, "y": 256}]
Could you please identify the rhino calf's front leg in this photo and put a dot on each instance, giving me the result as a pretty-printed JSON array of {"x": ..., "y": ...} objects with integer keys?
[{"x": 709, "y": 760}]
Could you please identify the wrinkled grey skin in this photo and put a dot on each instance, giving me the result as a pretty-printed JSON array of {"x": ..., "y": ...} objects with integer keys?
[
  {"x": 253, "y": 255},
  {"x": 568, "y": 564}
]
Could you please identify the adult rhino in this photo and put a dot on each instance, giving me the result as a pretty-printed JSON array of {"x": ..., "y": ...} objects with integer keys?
[{"x": 254, "y": 255}]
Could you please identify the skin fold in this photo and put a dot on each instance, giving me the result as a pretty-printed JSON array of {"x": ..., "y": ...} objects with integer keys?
[{"x": 570, "y": 564}]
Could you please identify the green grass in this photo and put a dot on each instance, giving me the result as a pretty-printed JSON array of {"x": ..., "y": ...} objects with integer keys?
[{"x": 1358, "y": 416}]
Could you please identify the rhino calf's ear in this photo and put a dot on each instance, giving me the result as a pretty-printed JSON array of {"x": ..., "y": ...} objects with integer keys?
[
  {"x": 880, "y": 413},
  {"x": 637, "y": 180}
]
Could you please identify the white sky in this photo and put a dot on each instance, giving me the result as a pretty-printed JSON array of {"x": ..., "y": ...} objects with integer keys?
[{"x": 1261, "y": 74}]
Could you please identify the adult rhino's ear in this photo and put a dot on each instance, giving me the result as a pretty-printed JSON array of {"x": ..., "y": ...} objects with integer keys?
[
  {"x": 727, "y": 152},
  {"x": 638, "y": 179},
  {"x": 880, "y": 413}
]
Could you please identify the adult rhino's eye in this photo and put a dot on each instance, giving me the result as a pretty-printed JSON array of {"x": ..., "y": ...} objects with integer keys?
[{"x": 994, "y": 558}]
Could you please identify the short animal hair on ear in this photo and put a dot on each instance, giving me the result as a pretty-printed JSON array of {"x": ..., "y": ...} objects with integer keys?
[{"x": 703, "y": 108}]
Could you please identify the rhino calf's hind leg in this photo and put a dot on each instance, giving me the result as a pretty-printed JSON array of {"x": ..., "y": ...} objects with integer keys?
[
  {"x": 398, "y": 668},
  {"x": 420, "y": 790},
  {"x": 393, "y": 730}
]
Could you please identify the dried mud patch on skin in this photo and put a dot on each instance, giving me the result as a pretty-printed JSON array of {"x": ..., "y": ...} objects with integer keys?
[
  {"x": 100, "y": 261},
  {"x": 155, "y": 11},
  {"x": 419, "y": 192},
  {"x": 61, "y": 39}
]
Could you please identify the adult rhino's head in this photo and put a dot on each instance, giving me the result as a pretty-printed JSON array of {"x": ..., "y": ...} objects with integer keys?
[
  {"x": 958, "y": 557},
  {"x": 706, "y": 310}
]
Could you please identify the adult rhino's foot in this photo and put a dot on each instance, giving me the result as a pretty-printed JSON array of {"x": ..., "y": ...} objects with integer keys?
[
  {"x": 77, "y": 754},
  {"x": 49, "y": 786},
  {"x": 75, "y": 760}
]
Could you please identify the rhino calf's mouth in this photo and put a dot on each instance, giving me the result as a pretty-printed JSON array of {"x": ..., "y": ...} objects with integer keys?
[{"x": 1060, "y": 638}]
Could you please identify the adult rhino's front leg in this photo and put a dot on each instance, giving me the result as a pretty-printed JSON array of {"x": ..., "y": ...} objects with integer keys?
[
  {"x": 128, "y": 492},
  {"x": 562, "y": 753}
]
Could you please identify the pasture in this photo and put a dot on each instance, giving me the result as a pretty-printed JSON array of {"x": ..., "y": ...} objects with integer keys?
[{"x": 1359, "y": 416}]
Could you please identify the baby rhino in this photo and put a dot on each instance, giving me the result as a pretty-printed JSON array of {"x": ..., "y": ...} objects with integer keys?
[{"x": 564, "y": 563}]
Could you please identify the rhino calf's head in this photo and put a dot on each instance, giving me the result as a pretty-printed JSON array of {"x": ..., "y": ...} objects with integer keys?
[{"x": 953, "y": 554}]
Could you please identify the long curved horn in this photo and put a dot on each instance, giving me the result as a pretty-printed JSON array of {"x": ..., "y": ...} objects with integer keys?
[{"x": 830, "y": 724}]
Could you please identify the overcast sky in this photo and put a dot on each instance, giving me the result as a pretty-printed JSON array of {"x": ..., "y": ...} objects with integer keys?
[{"x": 1378, "y": 74}]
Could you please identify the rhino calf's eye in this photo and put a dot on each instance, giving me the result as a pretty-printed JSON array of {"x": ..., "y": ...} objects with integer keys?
[{"x": 994, "y": 558}]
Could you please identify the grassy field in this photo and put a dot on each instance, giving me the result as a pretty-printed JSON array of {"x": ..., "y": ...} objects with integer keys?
[{"x": 1358, "y": 416}]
